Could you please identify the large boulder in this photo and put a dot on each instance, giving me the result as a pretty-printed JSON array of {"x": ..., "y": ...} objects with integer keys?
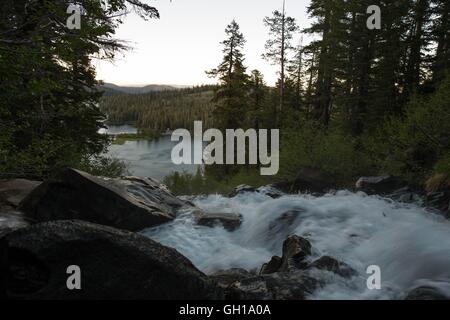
[
  {"x": 128, "y": 203},
  {"x": 426, "y": 293},
  {"x": 114, "y": 264},
  {"x": 3, "y": 266},
  {"x": 230, "y": 221},
  {"x": 12, "y": 192},
  {"x": 379, "y": 185}
]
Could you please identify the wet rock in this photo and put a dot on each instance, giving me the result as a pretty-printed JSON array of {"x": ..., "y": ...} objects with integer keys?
[
  {"x": 230, "y": 221},
  {"x": 241, "y": 189},
  {"x": 407, "y": 195},
  {"x": 295, "y": 251},
  {"x": 225, "y": 278},
  {"x": 439, "y": 201},
  {"x": 128, "y": 203},
  {"x": 379, "y": 185},
  {"x": 12, "y": 192},
  {"x": 276, "y": 286},
  {"x": 271, "y": 191},
  {"x": 272, "y": 266},
  {"x": 330, "y": 264},
  {"x": 114, "y": 264},
  {"x": 426, "y": 293}
]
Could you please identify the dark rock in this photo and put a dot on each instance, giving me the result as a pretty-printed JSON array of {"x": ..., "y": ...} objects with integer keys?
[
  {"x": 271, "y": 191},
  {"x": 225, "y": 278},
  {"x": 426, "y": 293},
  {"x": 12, "y": 192},
  {"x": 330, "y": 264},
  {"x": 307, "y": 180},
  {"x": 439, "y": 201},
  {"x": 241, "y": 189},
  {"x": 295, "y": 251},
  {"x": 128, "y": 203},
  {"x": 276, "y": 286},
  {"x": 379, "y": 185},
  {"x": 3, "y": 266},
  {"x": 230, "y": 221},
  {"x": 114, "y": 264},
  {"x": 406, "y": 195},
  {"x": 272, "y": 266}
]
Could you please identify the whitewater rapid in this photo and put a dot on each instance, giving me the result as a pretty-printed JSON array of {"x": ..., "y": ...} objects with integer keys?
[{"x": 410, "y": 244}]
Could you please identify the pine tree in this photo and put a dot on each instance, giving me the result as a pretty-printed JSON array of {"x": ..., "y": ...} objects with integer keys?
[
  {"x": 281, "y": 30},
  {"x": 231, "y": 96},
  {"x": 296, "y": 75},
  {"x": 440, "y": 30}
]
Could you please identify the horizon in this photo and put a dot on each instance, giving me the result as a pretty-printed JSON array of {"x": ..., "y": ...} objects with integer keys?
[{"x": 154, "y": 60}]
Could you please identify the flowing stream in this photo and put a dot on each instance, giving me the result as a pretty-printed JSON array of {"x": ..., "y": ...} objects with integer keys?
[{"x": 408, "y": 243}]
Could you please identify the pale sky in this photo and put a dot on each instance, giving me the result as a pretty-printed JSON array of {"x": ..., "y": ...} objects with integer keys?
[{"x": 179, "y": 47}]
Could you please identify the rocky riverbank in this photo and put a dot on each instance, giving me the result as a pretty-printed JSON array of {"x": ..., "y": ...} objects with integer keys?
[{"x": 91, "y": 222}]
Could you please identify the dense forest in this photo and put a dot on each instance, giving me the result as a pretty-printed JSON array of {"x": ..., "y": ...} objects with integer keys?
[{"x": 155, "y": 112}]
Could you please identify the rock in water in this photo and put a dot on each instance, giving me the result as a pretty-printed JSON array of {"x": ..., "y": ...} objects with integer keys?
[
  {"x": 114, "y": 264},
  {"x": 272, "y": 266},
  {"x": 379, "y": 185},
  {"x": 295, "y": 251},
  {"x": 230, "y": 221},
  {"x": 129, "y": 203},
  {"x": 330, "y": 264},
  {"x": 241, "y": 189}
]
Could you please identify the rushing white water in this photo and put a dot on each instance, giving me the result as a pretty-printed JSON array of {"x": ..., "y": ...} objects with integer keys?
[{"x": 409, "y": 244}]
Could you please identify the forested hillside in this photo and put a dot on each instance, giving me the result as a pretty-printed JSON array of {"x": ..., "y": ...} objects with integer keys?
[
  {"x": 155, "y": 112},
  {"x": 355, "y": 100}
]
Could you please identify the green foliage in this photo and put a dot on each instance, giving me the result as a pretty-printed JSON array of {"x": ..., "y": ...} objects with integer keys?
[
  {"x": 443, "y": 165},
  {"x": 203, "y": 183},
  {"x": 411, "y": 145},
  {"x": 331, "y": 151},
  {"x": 104, "y": 166},
  {"x": 48, "y": 98},
  {"x": 156, "y": 112}
]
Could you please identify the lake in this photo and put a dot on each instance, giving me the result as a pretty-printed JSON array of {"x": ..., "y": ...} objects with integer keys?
[{"x": 146, "y": 158}]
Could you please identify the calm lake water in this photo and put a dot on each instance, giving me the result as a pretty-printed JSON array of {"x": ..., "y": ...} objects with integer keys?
[{"x": 146, "y": 158}]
